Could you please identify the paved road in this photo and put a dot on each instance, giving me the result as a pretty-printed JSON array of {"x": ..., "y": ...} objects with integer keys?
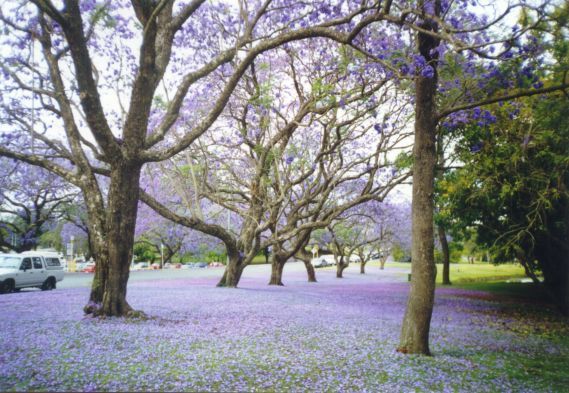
[{"x": 74, "y": 280}]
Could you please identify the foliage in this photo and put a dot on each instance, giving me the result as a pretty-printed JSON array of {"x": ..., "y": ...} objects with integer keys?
[
  {"x": 143, "y": 251},
  {"x": 482, "y": 272},
  {"x": 456, "y": 252},
  {"x": 400, "y": 253},
  {"x": 513, "y": 189}
]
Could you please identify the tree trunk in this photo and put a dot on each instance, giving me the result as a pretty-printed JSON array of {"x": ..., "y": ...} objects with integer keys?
[
  {"x": 446, "y": 255},
  {"x": 97, "y": 235},
  {"x": 363, "y": 267},
  {"x": 99, "y": 280},
  {"x": 120, "y": 223},
  {"x": 277, "y": 266},
  {"x": 233, "y": 271},
  {"x": 305, "y": 257},
  {"x": 310, "y": 271},
  {"x": 267, "y": 255},
  {"x": 417, "y": 320},
  {"x": 382, "y": 262},
  {"x": 98, "y": 251},
  {"x": 553, "y": 258},
  {"x": 340, "y": 268}
]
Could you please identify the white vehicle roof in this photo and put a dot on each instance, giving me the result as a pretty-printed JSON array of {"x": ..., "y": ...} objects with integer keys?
[
  {"x": 12, "y": 259},
  {"x": 46, "y": 253}
]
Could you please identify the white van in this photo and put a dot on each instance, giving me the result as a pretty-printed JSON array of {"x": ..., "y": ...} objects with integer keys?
[
  {"x": 49, "y": 254},
  {"x": 31, "y": 269},
  {"x": 324, "y": 260}
]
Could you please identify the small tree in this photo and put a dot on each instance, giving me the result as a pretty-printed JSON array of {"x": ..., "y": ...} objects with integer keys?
[{"x": 32, "y": 201}]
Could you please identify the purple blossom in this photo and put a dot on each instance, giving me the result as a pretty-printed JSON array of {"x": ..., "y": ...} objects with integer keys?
[
  {"x": 428, "y": 72},
  {"x": 477, "y": 147}
]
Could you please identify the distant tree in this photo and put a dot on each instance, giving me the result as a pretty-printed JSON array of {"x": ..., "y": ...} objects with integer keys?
[
  {"x": 32, "y": 201},
  {"x": 354, "y": 230},
  {"x": 393, "y": 225},
  {"x": 145, "y": 251},
  {"x": 76, "y": 225},
  {"x": 294, "y": 161}
]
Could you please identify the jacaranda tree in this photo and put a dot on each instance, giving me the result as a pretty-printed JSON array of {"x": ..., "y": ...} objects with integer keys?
[
  {"x": 32, "y": 201},
  {"x": 58, "y": 60},
  {"x": 60, "y": 69}
]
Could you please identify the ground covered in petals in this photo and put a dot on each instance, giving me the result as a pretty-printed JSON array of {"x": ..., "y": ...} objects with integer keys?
[{"x": 334, "y": 335}]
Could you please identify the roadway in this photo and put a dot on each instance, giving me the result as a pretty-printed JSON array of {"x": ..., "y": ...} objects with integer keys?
[{"x": 74, "y": 280}]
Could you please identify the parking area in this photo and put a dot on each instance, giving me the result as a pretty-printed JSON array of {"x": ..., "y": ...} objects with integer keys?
[{"x": 74, "y": 280}]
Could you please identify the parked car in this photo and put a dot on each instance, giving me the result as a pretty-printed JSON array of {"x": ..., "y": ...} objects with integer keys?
[
  {"x": 155, "y": 266},
  {"x": 80, "y": 264},
  {"x": 355, "y": 259},
  {"x": 324, "y": 260},
  {"x": 19, "y": 271},
  {"x": 320, "y": 262},
  {"x": 89, "y": 268},
  {"x": 140, "y": 266}
]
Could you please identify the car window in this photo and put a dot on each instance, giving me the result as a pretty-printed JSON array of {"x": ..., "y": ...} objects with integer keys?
[
  {"x": 52, "y": 262},
  {"x": 37, "y": 263},
  {"x": 26, "y": 264}
]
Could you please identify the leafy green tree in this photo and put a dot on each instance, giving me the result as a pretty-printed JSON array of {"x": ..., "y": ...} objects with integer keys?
[
  {"x": 145, "y": 251},
  {"x": 513, "y": 189}
]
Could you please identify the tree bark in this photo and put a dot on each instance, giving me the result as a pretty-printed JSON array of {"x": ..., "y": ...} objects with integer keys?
[
  {"x": 305, "y": 257},
  {"x": 277, "y": 266},
  {"x": 417, "y": 320},
  {"x": 233, "y": 271},
  {"x": 100, "y": 279},
  {"x": 310, "y": 271},
  {"x": 120, "y": 224},
  {"x": 363, "y": 267},
  {"x": 97, "y": 234},
  {"x": 446, "y": 254},
  {"x": 553, "y": 259},
  {"x": 341, "y": 267}
]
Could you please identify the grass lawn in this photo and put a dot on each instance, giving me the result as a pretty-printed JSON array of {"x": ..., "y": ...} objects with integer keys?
[
  {"x": 476, "y": 272},
  {"x": 258, "y": 260},
  {"x": 464, "y": 273},
  {"x": 337, "y": 335},
  {"x": 521, "y": 290}
]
